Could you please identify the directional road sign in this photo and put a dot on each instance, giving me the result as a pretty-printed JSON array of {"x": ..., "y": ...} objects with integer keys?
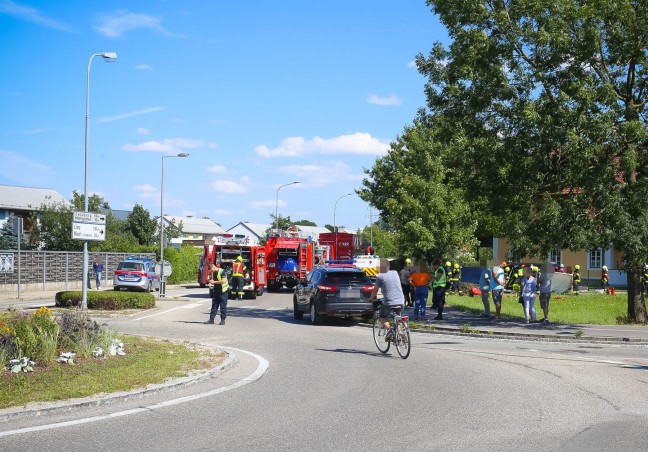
[{"x": 89, "y": 226}]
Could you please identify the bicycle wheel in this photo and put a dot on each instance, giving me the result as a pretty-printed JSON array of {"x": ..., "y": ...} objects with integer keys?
[
  {"x": 379, "y": 334},
  {"x": 403, "y": 344}
]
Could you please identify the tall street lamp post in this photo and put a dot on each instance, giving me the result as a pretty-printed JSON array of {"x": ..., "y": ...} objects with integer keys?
[
  {"x": 162, "y": 289},
  {"x": 108, "y": 57},
  {"x": 335, "y": 226},
  {"x": 277, "y": 203}
]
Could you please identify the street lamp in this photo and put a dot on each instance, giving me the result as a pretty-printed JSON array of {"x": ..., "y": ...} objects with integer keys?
[
  {"x": 277, "y": 202},
  {"x": 334, "y": 225},
  {"x": 108, "y": 57},
  {"x": 162, "y": 282}
]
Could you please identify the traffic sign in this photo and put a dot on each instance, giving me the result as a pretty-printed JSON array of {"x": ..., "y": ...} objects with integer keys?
[{"x": 89, "y": 226}]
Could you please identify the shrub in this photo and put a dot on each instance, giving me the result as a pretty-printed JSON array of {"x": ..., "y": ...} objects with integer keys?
[
  {"x": 34, "y": 336},
  {"x": 106, "y": 300},
  {"x": 184, "y": 262},
  {"x": 82, "y": 335}
]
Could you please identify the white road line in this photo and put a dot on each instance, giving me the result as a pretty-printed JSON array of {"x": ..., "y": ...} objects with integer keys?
[
  {"x": 193, "y": 305},
  {"x": 254, "y": 376}
]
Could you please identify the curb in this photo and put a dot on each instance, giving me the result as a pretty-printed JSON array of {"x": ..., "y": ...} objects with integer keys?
[{"x": 44, "y": 408}]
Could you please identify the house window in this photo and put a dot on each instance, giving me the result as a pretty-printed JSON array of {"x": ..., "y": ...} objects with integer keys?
[
  {"x": 554, "y": 257},
  {"x": 595, "y": 259}
]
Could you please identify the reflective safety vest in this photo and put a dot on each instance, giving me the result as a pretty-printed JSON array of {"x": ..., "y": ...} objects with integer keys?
[
  {"x": 442, "y": 281},
  {"x": 238, "y": 268},
  {"x": 217, "y": 276}
]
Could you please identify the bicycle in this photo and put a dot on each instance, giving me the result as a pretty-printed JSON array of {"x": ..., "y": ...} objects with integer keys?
[{"x": 398, "y": 333}]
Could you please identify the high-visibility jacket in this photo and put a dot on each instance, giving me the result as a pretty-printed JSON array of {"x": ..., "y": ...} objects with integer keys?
[
  {"x": 442, "y": 280},
  {"x": 238, "y": 269},
  {"x": 577, "y": 276},
  {"x": 219, "y": 275},
  {"x": 604, "y": 276}
]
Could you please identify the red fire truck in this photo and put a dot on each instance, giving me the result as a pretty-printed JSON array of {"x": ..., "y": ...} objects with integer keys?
[
  {"x": 342, "y": 244},
  {"x": 289, "y": 259},
  {"x": 225, "y": 250}
]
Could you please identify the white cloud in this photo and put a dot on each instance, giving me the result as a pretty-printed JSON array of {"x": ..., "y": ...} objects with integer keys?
[
  {"x": 18, "y": 168},
  {"x": 223, "y": 212},
  {"x": 35, "y": 131},
  {"x": 29, "y": 14},
  {"x": 116, "y": 24},
  {"x": 228, "y": 186},
  {"x": 143, "y": 131},
  {"x": 216, "y": 169},
  {"x": 143, "y": 67},
  {"x": 411, "y": 64},
  {"x": 168, "y": 145},
  {"x": 267, "y": 204},
  {"x": 321, "y": 175},
  {"x": 147, "y": 191},
  {"x": 357, "y": 143},
  {"x": 392, "y": 100},
  {"x": 143, "y": 111}
]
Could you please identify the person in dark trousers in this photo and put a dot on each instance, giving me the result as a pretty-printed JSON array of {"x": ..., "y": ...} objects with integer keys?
[
  {"x": 98, "y": 268},
  {"x": 438, "y": 287},
  {"x": 405, "y": 274},
  {"x": 220, "y": 293},
  {"x": 238, "y": 270}
]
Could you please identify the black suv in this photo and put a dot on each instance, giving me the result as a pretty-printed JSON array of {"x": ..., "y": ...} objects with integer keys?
[{"x": 334, "y": 291}]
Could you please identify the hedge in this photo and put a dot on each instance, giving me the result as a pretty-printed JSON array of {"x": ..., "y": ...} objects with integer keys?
[
  {"x": 106, "y": 300},
  {"x": 185, "y": 263}
]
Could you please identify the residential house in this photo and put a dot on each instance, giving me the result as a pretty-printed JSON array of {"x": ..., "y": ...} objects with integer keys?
[
  {"x": 195, "y": 231},
  {"x": 24, "y": 201},
  {"x": 307, "y": 231},
  {"x": 591, "y": 262},
  {"x": 255, "y": 231}
]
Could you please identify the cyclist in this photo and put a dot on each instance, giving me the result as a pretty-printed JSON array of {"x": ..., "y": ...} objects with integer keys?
[{"x": 393, "y": 299}]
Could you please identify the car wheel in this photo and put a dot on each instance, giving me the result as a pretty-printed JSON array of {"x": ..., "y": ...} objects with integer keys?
[
  {"x": 116, "y": 289},
  {"x": 260, "y": 291},
  {"x": 251, "y": 295},
  {"x": 314, "y": 316},
  {"x": 297, "y": 314}
]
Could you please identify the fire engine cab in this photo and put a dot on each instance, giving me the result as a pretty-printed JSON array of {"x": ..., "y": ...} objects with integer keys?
[
  {"x": 290, "y": 259},
  {"x": 225, "y": 250}
]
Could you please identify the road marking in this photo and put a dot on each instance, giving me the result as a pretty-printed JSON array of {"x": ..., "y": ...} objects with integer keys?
[
  {"x": 254, "y": 376},
  {"x": 193, "y": 305}
]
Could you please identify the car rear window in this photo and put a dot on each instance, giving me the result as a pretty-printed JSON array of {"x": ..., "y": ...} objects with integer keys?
[
  {"x": 133, "y": 266},
  {"x": 350, "y": 278}
]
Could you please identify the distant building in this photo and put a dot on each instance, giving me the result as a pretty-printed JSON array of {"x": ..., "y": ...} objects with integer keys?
[
  {"x": 307, "y": 231},
  {"x": 195, "y": 231},
  {"x": 24, "y": 201},
  {"x": 256, "y": 231}
]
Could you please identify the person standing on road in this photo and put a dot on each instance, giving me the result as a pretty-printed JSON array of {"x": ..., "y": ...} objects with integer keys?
[
  {"x": 438, "y": 287},
  {"x": 98, "y": 268},
  {"x": 389, "y": 284},
  {"x": 529, "y": 286},
  {"x": 419, "y": 283},
  {"x": 485, "y": 278},
  {"x": 545, "y": 290},
  {"x": 405, "y": 274},
  {"x": 220, "y": 293},
  {"x": 497, "y": 288},
  {"x": 238, "y": 270}
]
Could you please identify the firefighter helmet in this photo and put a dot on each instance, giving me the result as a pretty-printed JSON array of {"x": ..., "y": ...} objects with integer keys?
[
  {"x": 408, "y": 261},
  {"x": 448, "y": 264},
  {"x": 605, "y": 267},
  {"x": 577, "y": 267},
  {"x": 239, "y": 259},
  {"x": 456, "y": 265}
]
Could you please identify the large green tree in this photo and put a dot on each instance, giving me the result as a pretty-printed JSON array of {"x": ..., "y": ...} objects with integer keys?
[
  {"x": 541, "y": 107},
  {"x": 9, "y": 241},
  {"x": 142, "y": 226},
  {"x": 410, "y": 188}
]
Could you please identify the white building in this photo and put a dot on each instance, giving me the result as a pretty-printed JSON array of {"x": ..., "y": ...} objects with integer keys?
[
  {"x": 255, "y": 231},
  {"x": 195, "y": 231}
]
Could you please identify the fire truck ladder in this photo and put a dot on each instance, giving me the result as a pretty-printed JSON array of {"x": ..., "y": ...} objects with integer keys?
[{"x": 303, "y": 256}]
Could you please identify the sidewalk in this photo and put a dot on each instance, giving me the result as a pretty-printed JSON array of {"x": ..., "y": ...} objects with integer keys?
[{"x": 454, "y": 321}]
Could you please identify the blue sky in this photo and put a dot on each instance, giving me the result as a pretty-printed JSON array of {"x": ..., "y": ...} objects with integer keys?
[{"x": 259, "y": 93}]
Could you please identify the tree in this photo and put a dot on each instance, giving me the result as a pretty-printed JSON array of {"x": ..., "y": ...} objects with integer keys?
[
  {"x": 305, "y": 223},
  {"x": 142, "y": 226},
  {"x": 383, "y": 239},
  {"x": 409, "y": 187},
  {"x": 541, "y": 106},
  {"x": 9, "y": 241}
]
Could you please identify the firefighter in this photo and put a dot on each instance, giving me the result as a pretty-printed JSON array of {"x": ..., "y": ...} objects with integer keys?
[
  {"x": 238, "y": 270},
  {"x": 448, "y": 269},
  {"x": 605, "y": 278},
  {"x": 577, "y": 279},
  {"x": 518, "y": 279},
  {"x": 455, "y": 280}
]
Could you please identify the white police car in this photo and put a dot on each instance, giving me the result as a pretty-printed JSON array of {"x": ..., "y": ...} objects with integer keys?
[{"x": 136, "y": 273}]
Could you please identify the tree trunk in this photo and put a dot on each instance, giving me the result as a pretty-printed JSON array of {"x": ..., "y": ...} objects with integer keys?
[{"x": 636, "y": 304}]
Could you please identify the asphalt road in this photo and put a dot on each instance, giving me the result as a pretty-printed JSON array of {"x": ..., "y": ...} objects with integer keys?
[{"x": 328, "y": 388}]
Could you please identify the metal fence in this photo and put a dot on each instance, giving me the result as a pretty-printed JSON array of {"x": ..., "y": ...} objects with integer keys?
[{"x": 52, "y": 270}]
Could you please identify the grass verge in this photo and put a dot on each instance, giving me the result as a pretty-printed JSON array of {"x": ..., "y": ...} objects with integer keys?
[
  {"x": 597, "y": 309},
  {"x": 147, "y": 361}
]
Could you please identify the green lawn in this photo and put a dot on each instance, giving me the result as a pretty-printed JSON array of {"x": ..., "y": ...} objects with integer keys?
[{"x": 597, "y": 309}]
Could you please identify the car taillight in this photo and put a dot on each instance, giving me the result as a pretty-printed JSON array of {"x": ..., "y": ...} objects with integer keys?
[
  {"x": 405, "y": 318},
  {"x": 324, "y": 288},
  {"x": 367, "y": 288}
]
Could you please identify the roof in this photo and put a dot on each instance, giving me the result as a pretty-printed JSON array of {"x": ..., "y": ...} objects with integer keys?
[
  {"x": 198, "y": 225},
  {"x": 312, "y": 231},
  {"x": 257, "y": 229},
  {"x": 28, "y": 198}
]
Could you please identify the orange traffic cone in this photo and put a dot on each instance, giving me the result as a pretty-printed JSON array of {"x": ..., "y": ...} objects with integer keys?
[{"x": 611, "y": 290}]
